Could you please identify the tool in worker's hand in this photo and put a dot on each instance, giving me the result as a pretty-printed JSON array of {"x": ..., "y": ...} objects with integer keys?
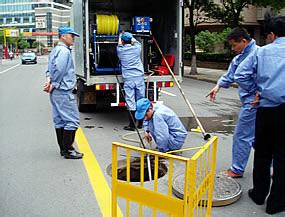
[{"x": 205, "y": 135}]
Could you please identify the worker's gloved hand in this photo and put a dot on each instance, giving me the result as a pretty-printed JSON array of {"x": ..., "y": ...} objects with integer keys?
[
  {"x": 133, "y": 40},
  {"x": 147, "y": 137}
]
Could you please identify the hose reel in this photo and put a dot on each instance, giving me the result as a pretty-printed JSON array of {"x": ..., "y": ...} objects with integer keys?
[
  {"x": 107, "y": 24},
  {"x": 105, "y": 37}
]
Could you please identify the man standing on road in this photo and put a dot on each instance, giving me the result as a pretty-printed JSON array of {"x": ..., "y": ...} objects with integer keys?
[
  {"x": 129, "y": 52},
  {"x": 243, "y": 137},
  {"x": 161, "y": 124},
  {"x": 266, "y": 69},
  {"x": 61, "y": 83}
]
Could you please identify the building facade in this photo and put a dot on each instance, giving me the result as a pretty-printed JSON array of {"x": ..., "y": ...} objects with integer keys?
[
  {"x": 35, "y": 19},
  {"x": 253, "y": 19}
]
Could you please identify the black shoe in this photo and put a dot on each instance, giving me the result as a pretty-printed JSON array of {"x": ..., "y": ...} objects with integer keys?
[
  {"x": 129, "y": 128},
  {"x": 72, "y": 154},
  {"x": 272, "y": 211},
  {"x": 256, "y": 201}
]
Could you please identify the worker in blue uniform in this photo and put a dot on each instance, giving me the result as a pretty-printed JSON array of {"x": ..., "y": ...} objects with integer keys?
[
  {"x": 61, "y": 82},
  {"x": 161, "y": 124},
  {"x": 129, "y": 52},
  {"x": 266, "y": 70},
  {"x": 243, "y": 137}
]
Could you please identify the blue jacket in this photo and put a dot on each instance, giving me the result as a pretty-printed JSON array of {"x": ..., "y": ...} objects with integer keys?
[
  {"x": 265, "y": 68},
  {"x": 61, "y": 68},
  {"x": 246, "y": 96},
  {"x": 163, "y": 125},
  {"x": 130, "y": 57}
]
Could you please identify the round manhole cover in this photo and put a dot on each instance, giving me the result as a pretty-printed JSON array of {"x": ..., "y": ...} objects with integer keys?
[{"x": 226, "y": 189}]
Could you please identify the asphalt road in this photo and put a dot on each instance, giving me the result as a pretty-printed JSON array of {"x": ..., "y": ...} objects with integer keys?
[{"x": 36, "y": 181}]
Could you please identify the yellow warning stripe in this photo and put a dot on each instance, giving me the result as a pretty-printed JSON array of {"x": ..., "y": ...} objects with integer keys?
[{"x": 96, "y": 176}]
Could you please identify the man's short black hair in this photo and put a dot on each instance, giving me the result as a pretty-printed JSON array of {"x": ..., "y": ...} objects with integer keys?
[
  {"x": 275, "y": 25},
  {"x": 238, "y": 33}
]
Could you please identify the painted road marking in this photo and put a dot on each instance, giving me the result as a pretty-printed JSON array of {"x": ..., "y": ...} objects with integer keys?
[
  {"x": 167, "y": 93},
  {"x": 6, "y": 70},
  {"x": 98, "y": 182}
]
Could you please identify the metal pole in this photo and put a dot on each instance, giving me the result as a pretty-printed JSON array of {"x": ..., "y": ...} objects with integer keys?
[{"x": 205, "y": 135}]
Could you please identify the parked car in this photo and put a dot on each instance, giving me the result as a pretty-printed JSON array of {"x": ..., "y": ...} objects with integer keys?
[{"x": 29, "y": 57}]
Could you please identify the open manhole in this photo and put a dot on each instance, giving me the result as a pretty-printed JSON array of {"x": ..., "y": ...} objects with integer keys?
[
  {"x": 226, "y": 189},
  {"x": 135, "y": 170}
]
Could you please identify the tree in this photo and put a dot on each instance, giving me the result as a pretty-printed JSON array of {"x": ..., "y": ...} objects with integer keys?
[
  {"x": 197, "y": 14},
  {"x": 23, "y": 44},
  {"x": 229, "y": 12},
  {"x": 1, "y": 36},
  {"x": 206, "y": 40}
]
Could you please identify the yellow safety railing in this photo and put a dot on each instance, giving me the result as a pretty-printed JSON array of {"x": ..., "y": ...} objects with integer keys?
[{"x": 150, "y": 198}]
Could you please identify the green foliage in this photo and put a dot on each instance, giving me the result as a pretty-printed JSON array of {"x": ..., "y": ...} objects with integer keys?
[
  {"x": 37, "y": 44},
  {"x": 206, "y": 40},
  {"x": 1, "y": 37},
  {"x": 230, "y": 11},
  {"x": 212, "y": 57},
  {"x": 23, "y": 44}
]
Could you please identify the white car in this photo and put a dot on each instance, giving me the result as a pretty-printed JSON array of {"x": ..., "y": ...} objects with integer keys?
[{"x": 29, "y": 57}]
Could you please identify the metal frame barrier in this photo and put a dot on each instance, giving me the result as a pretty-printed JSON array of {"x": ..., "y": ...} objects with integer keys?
[{"x": 198, "y": 182}]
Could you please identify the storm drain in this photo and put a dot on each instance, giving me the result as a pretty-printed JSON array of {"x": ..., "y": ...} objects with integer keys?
[
  {"x": 135, "y": 170},
  {"x": 226, "y": 189}
]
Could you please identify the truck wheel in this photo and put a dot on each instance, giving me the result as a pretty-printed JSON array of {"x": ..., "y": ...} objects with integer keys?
[
  {"x": 82, "y": 92},
  {"x": 151, "y": 94}
]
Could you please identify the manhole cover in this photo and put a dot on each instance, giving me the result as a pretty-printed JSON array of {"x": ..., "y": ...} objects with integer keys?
[
  {"x": 226, "y": 189},
  {"x": 135, "y": 170}
]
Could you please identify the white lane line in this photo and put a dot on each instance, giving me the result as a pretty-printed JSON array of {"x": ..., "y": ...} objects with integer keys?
[
  {"x": 6, "y": 70},
  {"x": 167, "y": 93}
]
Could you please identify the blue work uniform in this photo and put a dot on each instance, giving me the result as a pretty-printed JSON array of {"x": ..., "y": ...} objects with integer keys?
[
  {"x": 62, "y": 76},
  {"x": 243, "y": 137},
  {"x": 132, "y": 72},
  {"x": 166, "y": 129},
  {"x": 266, "y": 71}
]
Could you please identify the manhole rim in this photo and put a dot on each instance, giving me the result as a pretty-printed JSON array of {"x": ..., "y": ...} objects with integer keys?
[
  {"x": 122, "y": 164},
  {"x": 215, "y": 202}
]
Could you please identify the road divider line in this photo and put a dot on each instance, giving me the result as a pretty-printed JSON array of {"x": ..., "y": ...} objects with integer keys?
[
  {"x": 167, "y": 93},
  {"x": 98, "y": 182},
  {"x": 6, "y": 70}
]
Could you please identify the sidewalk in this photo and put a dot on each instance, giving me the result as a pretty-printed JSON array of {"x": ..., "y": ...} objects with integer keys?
[{"x": 206, "y": 74}]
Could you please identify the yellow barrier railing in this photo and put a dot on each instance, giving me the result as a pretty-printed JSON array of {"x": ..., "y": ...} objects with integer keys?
[{"x": 150, "y": 198}]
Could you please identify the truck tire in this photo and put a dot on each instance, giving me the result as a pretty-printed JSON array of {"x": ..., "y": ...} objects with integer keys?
[
  {"x": 150, "y": 94},
  {"x": 81, "y": 92}
]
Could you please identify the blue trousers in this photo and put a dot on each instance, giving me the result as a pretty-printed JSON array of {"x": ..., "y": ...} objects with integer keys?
[
  {"x": 134, "y": 90},
  {"x": 173, "y": 143},
  {"x": 64, "y": 110},
  {"x": 243, "y": 138}
]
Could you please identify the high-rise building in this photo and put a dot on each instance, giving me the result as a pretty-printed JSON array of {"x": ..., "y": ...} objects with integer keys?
[{"x": 36, "y": 19}]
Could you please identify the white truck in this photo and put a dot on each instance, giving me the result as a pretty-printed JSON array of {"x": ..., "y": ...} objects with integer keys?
[{"x": 97, "y": 67}]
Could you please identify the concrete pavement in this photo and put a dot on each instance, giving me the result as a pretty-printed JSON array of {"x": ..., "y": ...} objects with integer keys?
[{"x": 206, "y": 74}]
